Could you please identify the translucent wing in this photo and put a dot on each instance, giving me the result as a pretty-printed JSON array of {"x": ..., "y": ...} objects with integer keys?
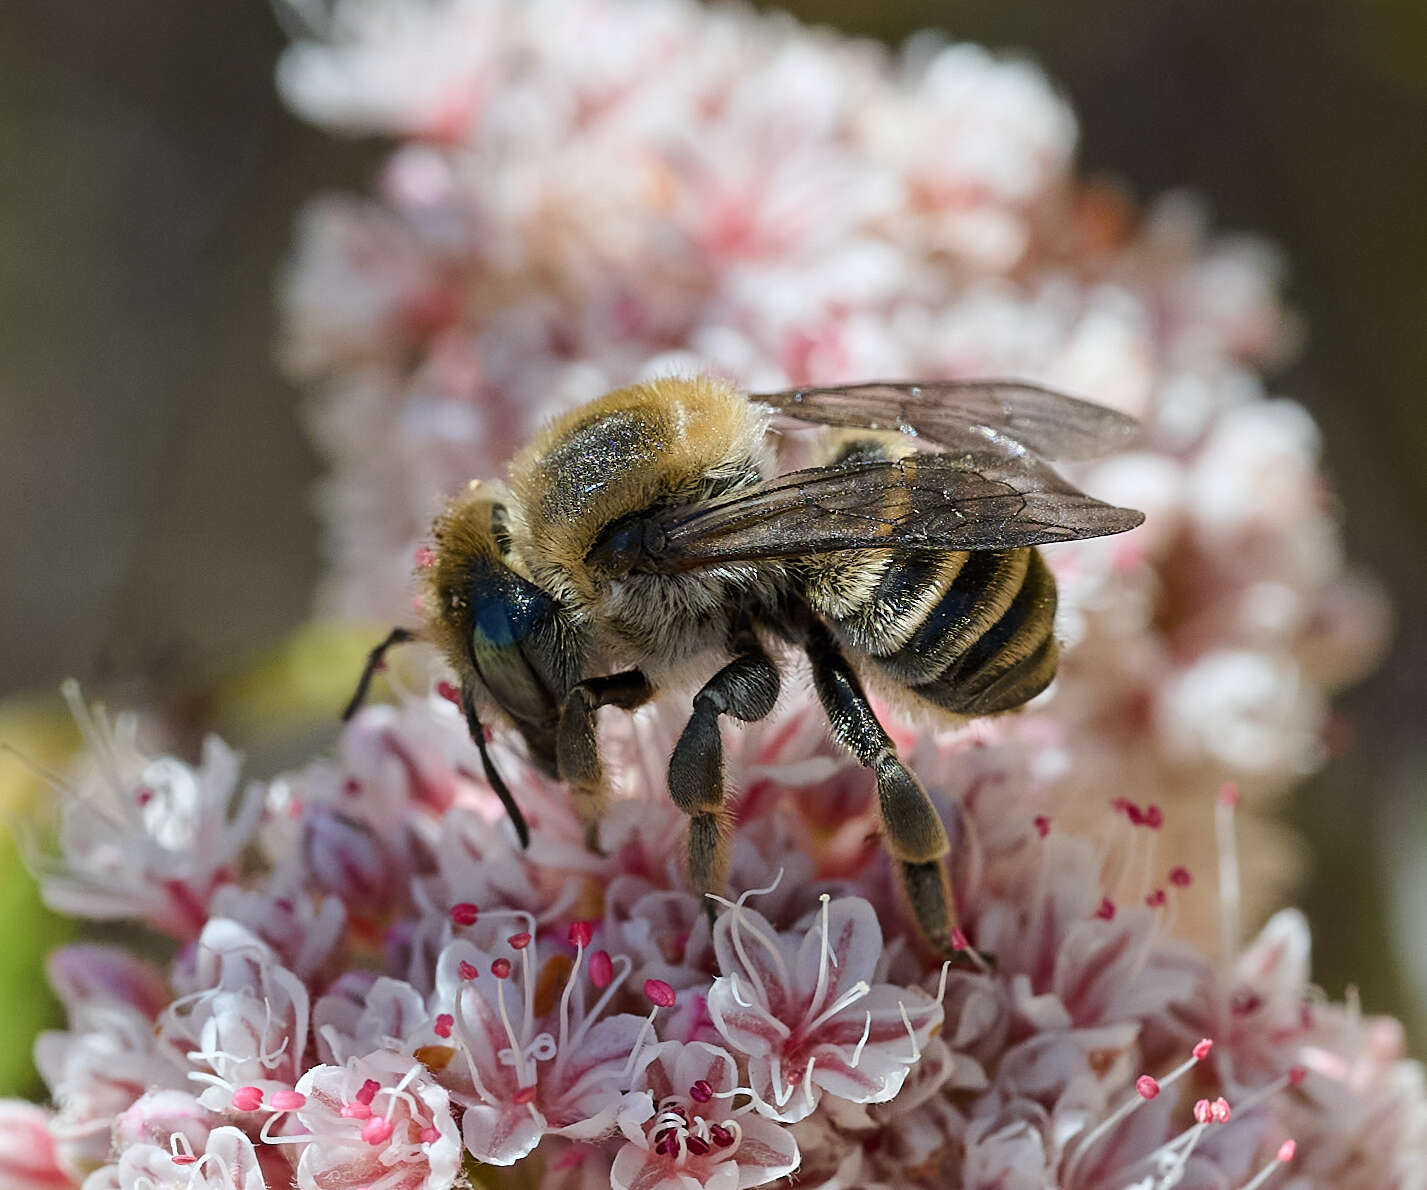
[
  {"x": 965, "y": 414},
  {"x": 973, "y": 500}
]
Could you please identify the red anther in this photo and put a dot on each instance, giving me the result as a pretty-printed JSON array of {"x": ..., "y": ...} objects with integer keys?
[
  {"x": 519, "y": 941},
  {"x": 1042, "y": 822},
  {"x": 184, "y": 1158},
  {"x": 666, "y": 1147},
  {"x": 463, "y": 913},
  {"x": 1203, "y": 1112},
  {"x": 1202, "y": 1048},
  {"x": 1156, "y": 899},
  {"x": 1146, "y": 1086},
  {"x": 1180, "y": 877},
  {"x": 1229, "y": 794},
  {"x": 1154, "y": 817},
  {"x": 351, "y": 787},
  {"x": 723, "y": 1137},
  {"x": 429, "y": 1136},
  {"x": 525, "y": 1094},
  {"x": 500, "y": 968},
  {"x": 701, "y": 1092},
  {"x": 582, "y": 933},
  {"x": 247, "y": 1099},
  {"x": 449, "y": 692},
  {"x": 287, "y": 1100},
  {"x": 1121, "y": 805},
  {"x": 1219, "y": 1110},
  {"x": 1135, "y": 814},
  {"x": 659, "y": 993},
  {"x": 1106, "y": 911},
  {"x": 425, "y": 557},
  {"x": 143, "y": 795},
  {"x": 1287, "y": 1150},
  {"x": 601, "y": 969},
  {"x": 1296, "y": 1074},
  {"x": 958, "y": 940},
  {"x": 698, "y": 1146},
  {"x": 443, "y": 1024},
  {"x": 377, "y": 1130},
  {"x": 467, "y": 971},
  {"x": 367, "y": 1091}
]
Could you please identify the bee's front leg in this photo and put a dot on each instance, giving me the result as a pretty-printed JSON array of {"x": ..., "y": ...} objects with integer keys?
[
  {"x": 577, "y": 743},
  {"x": 746, "y": 688}
]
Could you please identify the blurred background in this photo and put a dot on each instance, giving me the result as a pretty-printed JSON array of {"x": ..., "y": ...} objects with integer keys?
[{"x": 154, "y": 474}]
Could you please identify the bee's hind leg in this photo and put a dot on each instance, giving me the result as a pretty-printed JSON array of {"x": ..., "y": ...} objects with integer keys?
[
  {"x": 746, "y": 688},
  {"x": 577, "y": 745},
  {"x": 914, "y": 834}
]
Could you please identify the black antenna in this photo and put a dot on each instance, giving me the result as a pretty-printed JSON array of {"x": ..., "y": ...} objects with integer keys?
[
  {"x": 397, "y": 636},
  {"x": 473, "y": 723}
]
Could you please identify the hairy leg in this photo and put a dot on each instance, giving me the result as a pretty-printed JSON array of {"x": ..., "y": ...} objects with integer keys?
[
  {"x": 913, "y": 832},
  {"x": 746, "y": 688},
  {"x": 577, "y": 744}
]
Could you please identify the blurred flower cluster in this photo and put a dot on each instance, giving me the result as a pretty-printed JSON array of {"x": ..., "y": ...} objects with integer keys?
[
  {"x": 389, "y": 992},
  {"x": 589, "y": 192}
]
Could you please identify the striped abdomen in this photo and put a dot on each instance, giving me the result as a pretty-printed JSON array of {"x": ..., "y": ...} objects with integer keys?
[{"x": 970, "y": 632}]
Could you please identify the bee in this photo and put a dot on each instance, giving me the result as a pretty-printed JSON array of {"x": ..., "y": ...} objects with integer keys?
[{"x": 645, "y": 540}]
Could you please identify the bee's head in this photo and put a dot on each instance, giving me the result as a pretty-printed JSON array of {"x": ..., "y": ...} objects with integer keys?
[{"x": 498, "y": 631}]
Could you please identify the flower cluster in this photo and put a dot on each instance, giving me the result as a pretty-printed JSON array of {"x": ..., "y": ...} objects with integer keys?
[
  {"x": 389, "y": 992},
  {"x": 587, "y": 193}
]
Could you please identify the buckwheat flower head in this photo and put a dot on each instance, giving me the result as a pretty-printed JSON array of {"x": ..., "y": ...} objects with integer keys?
[
  {"x": 584, "y": 194},
  {"x": 590, "y": 1022},
  {"x": 151, "y": 839}
]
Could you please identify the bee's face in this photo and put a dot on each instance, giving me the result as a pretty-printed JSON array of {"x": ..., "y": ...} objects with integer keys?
[{"x": 489, "y": 622}]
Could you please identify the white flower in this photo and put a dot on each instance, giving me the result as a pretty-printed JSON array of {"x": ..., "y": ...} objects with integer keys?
[
  {"x": 805, "y": 1011},
  {"x": 246, "y": 1022},
  {"x": 226, "y": 1161},
  {"x": 378, "y": 1121},
  {"x": 146, "y": 838},
  {"x": 697, "y": 1138}
]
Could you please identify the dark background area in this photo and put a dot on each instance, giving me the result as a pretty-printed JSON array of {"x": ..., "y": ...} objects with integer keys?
[{"x": 154, "y": 479}]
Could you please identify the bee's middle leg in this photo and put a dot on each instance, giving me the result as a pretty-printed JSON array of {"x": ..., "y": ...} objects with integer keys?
[
  {"x": 913, "y": 831},
  {"x": 746, "y": 688},
  {"x": 577, "y": 747}
]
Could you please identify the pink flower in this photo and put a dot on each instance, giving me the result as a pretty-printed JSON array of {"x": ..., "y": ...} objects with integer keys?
[
  {"x": 27, "y": 1150},
  {"x": 246, "y": 1021},
  {"x": 803, "y": 1007},
  {"x": 377, "y": 1121},
  {"x": 161, "y": 1118},
  {"x": 95, "y": 1070},
  {"x": 526, "y": 1070},
  {"x": 146, "y": 838},
  {"x": 697, "y": 1138},
  {"x": 226, "y": 1161}
]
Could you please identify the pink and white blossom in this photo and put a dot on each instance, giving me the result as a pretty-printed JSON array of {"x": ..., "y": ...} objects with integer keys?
[
  {"x": 808, "y": 1012},
  {"x": 697, "y": 1136},
  {"x": 379, "y": 1121}
]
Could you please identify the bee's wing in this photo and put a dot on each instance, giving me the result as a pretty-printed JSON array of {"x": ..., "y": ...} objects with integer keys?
[
  {"x": 974, "y": 500},
  {"x": 965, "y": 414}
]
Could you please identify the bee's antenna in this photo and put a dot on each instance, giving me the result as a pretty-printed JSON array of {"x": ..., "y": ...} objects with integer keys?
[
  {"x": 397, "y": 636},
  {"x": 478, "y": 734}
]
